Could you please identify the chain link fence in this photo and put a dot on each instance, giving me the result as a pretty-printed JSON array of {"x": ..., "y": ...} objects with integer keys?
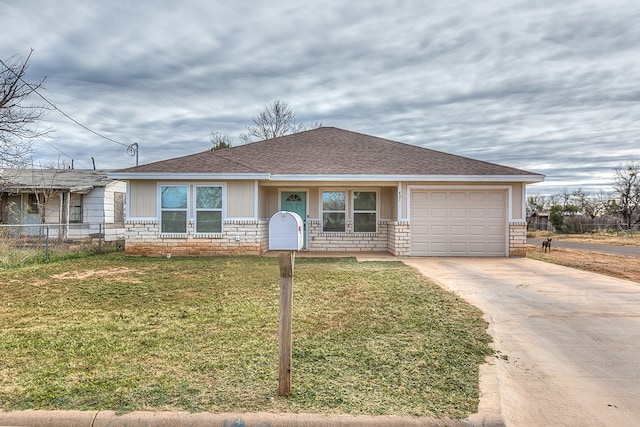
[{"x": 24, "y": 243}]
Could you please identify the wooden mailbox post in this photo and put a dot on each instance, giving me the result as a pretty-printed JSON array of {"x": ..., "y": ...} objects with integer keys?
[
  {"x": 285, "y": 234},
  {"x": 287, "y": 260}
]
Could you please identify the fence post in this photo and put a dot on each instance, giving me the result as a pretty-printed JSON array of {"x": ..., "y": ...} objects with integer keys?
[{"x": 46, "y": 245}]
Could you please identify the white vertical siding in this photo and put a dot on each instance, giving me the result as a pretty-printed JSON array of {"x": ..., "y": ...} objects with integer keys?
[{"x": 109, "y": 199}]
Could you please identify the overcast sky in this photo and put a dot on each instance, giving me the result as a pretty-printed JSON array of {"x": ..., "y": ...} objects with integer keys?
[{"x": 551, "y": 87}]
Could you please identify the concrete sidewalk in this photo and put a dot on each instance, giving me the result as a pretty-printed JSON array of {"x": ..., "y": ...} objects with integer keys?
[{"x": 204, "y": 419}]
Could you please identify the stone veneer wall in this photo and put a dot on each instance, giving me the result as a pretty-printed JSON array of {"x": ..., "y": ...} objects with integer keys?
[
  {"x": 399, "y": 242},
  {"x": 143, "y": 238},
  {"x": 239, "y": 237},
  {"x": 517, "y": 238},
  {"x": 317, "y": 240}
]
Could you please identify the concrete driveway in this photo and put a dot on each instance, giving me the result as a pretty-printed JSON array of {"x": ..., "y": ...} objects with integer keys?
[{"x": 569, "y": 340}]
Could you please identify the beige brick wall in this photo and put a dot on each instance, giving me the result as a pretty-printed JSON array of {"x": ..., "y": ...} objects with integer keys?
[
  {"x": 251, "y": 237},
  {"x": 399, "y": 243},
  {"x": 238, "y": 238},
  {"x": 349, "y": 241},
  {"x": 517, "y": 238}
]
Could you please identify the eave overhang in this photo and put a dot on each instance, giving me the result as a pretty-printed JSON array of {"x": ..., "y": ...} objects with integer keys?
[{"x": 322, "y": 177}]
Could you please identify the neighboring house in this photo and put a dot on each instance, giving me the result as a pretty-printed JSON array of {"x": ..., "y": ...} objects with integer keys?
[
  {"x": 355, "y": 193},
  {"x": 79, "y": 202},
  {"x": 540, "y": 221}
]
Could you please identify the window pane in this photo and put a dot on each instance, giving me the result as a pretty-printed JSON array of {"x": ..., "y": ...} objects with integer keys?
[
  {"x": 75, "y": 214},
  {"x": 75, "y": 208},
  {"x": 174, "y": 197},
  {"x": 209, "y": 222},
  {"x": 208, "y": 197},
  {"x": 364, "y": 222},
  {"x": 174, "y": 222},
  {"x": 364, "y": 200},
  {"x": 333, "y": 201},
  {"x": 333, "y": 221}
]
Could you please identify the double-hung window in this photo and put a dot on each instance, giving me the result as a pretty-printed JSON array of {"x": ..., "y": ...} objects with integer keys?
[
  {"x": 75, "y": 208},
  {"x": 364, "y": 211},
  {"x": 334, "y": 211},
  {"x": 181, "y": 203},
  {"x": 208, "y": 209},
  {"x": 173, "y": 208}
]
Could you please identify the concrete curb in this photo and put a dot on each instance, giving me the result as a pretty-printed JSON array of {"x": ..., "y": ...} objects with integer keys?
[{"x": 185, "y": 419}]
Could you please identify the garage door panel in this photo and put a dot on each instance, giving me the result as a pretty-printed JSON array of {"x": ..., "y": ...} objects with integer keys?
[
  {"x": 496, "y": 196},
  {"x": 437, "y": 213},
  {"x": 495, "y": 248},
  {"x": 458, "y": 248},
  {"x": 495, "y": 230},
  {"x": 460, "y": 213},
  {"x": 495, "y": 213},
  {"x": 458, "y": 197},
  {"x": 458, "y": 230},
  {"x": 458, "y": 223},
  {"x": 438, "y": 230},
  {"x": 438, "y": 247},
  {"x": 477, "y": 248},
  {"x": 477, "y": 230},
  {"x": 437, "y": 196},
  {"x": 477, "y": 196},
  {"x": 477, "y": 213}
]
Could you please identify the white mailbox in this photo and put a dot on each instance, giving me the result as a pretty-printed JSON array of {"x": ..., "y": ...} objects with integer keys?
[{"x": 285, "y": 232}]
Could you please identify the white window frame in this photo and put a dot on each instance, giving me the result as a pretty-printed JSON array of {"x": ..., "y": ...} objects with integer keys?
[
  {"x": 191, "y": 210},
  {"x": 161, "y": 209},
  {"x": 196, "y": 209},
  {"x": 375, "y": 211},
  {"x": 345, "y": 211}
]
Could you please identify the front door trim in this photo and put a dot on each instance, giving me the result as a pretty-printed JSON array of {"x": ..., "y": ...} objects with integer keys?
[{"x": 306, "y": 207}]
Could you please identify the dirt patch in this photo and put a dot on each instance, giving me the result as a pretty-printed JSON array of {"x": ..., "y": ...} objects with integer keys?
[
  {"x": 76, "y": 275},
  {"x": 619, "y": 266}
]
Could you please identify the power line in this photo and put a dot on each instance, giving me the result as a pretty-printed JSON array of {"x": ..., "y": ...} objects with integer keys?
[
  {"x": 62, "y": 112},
  {"x": 63, "y": 153},
  {"x": 74, "y": 120}
]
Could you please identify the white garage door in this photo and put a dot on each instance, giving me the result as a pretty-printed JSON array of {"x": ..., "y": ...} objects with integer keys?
[{"x": 458, "y": 222}]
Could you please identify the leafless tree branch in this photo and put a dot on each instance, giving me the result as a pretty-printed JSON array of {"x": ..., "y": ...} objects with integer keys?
[
  {"x": 275, "y": 120},
  {"x": 18, "y": 115}
]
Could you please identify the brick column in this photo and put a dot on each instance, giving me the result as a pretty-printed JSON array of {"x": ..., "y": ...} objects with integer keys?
[{"x": 517, "y": 238}]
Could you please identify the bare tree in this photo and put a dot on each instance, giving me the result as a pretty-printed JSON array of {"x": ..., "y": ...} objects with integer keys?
[
  {"x": 627, "y": 189},
  {"x": 18, "y": 116},
  {"x": 586, "y": 202},
  {"x": 536, "y": 203},
  {"x": 220, "y": 141},
  {"x": 275, "y": 120}
]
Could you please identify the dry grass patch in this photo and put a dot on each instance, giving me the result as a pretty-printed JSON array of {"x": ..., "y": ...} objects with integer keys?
[
  {"x": 600, "y": 237},
  {"x": 622, "y": 267},
  {"x": 200, "y": 334}
]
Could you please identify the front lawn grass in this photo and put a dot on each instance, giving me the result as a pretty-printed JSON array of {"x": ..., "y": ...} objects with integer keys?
[{"x": 200, "y": 334}]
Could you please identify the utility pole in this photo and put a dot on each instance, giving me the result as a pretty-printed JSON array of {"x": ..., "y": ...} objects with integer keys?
[{"x": 132, "y": 150}]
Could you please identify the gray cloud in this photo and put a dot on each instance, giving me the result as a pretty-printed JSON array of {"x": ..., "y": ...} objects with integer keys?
[{"x": 550, "y": 87}]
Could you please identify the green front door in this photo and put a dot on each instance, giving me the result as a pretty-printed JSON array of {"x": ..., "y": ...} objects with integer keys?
[{"x": 296, "y": 201}]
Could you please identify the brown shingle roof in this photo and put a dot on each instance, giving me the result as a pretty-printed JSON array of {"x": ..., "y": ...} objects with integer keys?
[{"x": 327, "y": 151}]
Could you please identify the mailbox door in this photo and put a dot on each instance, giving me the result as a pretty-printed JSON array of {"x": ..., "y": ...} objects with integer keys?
[{"x": 296, "y": 201}]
